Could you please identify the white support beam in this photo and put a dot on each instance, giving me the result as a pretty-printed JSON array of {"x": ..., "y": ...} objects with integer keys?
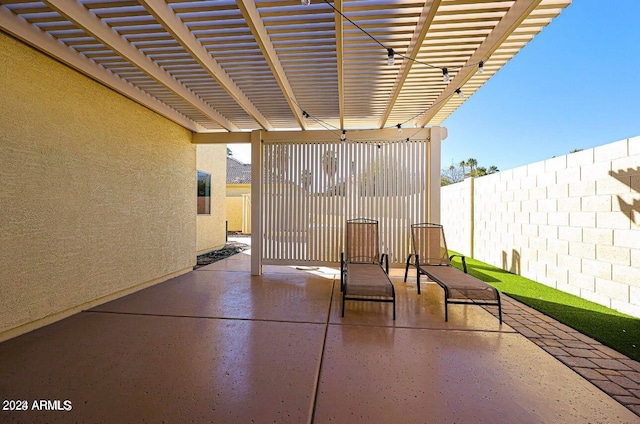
[
  {"x": 81, "y": 16},
  {"x": 312, "y": 136},
  {"x": 44, "y": 42},
  {"x": 424, "y": 23},
  {"x": 256, "y": 202},
  {"x": 254, "y": 22},
  {"x": 340, "y": 58},
  {"x": 172, "y": 23},
  {"x": 434, "y": 161},
  {"x": 221, "y": 137},
  {"x": 518, "y": 12}
]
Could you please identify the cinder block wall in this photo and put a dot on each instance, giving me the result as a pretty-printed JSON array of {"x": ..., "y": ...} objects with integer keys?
[
  {"x": 570, "y": 222},
  {"x": 97, "y": 193},
  {"x": 456, "y": 208}
]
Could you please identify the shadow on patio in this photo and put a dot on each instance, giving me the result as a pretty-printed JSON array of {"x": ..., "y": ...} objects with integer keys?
[{"x": 219, "y": 345}]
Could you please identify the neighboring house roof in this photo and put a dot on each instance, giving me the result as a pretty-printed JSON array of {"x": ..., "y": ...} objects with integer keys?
[{"x": 238, "y": 172}]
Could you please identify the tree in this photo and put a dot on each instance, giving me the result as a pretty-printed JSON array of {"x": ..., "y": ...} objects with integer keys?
[
  {"x": 455, "y": 174},
  {"x": 463, "y": 165},
  {"x": 472, "y": 164},
  {"x": 305, "y": 179},
  {"x": 329, "y": 162}
]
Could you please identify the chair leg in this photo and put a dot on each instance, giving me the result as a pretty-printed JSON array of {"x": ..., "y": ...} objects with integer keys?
[
  {"x": 418, "y": 281},
  {"x": 394, "y": 308},
  {"x": 446, "y": 310},
  {"x": 343, "y": 304},
  {"x": 406, "y": 269}
]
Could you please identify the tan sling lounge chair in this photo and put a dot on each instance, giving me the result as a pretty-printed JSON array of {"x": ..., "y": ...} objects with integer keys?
[
  {"x": 432, "y": 259},
  {"x": 362, "y": 276}
]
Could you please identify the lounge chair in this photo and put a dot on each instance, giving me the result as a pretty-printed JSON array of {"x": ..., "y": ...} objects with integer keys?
[
  {"x": 362, "y": 276},
  {"x": 432, "y": 259}
]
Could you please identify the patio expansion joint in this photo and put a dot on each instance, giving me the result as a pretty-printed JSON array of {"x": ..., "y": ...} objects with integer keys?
[
  {"x": 205, "y": 317},
  {"x": 316, "y": 384}
]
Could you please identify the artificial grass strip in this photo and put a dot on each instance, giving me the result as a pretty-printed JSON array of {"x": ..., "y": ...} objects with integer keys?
[{"x": 611, "y": 328}]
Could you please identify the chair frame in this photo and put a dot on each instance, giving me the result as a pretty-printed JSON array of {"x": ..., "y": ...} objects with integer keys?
[
  {"x": 383, "y": 264},
  {"x": 424, "y": 270}
]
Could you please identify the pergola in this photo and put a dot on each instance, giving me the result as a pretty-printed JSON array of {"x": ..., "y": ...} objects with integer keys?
[
  {"x": 239, "y": 66},
  {"x": 258, "y": 71}
]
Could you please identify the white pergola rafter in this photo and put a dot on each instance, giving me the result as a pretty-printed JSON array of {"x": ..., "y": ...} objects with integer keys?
[
  {"x": 424, "y": 22},
  {"x": 39, "y": 39},
  {"x": 254, "y": 22},
  {"x": 517, "y": 13},
  {"x": 82, "y": 17},
  {"x": 172, "y": 23}
]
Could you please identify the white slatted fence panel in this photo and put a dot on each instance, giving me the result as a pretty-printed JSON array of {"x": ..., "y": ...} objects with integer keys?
[{"x": 311, "y": 189}]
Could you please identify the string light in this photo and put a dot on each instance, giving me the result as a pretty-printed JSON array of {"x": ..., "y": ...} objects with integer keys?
[
  {"x": 305, "y": 2},
  {"x": 399, "y": 126},
  {"x": 481, "y": 67},
  {"x": 390, "y": 53},
  {"x": 390, "y": 59},
  {"x": 459, "y": 93},
  {"x": 343, "y": 136},
  {"x": 445, "y": 75},
  {"x": 305, "y": 114}
]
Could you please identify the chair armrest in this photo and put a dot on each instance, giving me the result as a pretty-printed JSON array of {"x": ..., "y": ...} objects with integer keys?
[{"x": 464, "y": 261}]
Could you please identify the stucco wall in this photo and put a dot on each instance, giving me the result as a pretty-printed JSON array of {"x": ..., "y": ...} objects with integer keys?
[
  {"x": 210, "y": 234},
  {"x": 96, "y": 195},
  {"x": 571, "y": 222},
  {"x": 234, "y": 213},
  {"x": 238, "y": 208}
]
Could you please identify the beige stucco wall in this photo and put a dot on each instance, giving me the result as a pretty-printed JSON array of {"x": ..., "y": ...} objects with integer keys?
[
  {"x": 236, "y": 208},
  {"x": 234, "y": 213},
  {"x": 210, "y": 234},
  {"x": 96, "y": 195},
  {"x": 571, "y": 222},
  {"x": 237, "y": 190}
]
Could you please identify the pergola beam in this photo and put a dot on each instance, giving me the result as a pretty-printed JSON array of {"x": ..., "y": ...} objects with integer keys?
[
  {"x": 39, "y": 39},
  {"x": 340, "y": 58},
  {"x": 518, "y": 12},
  {"x": 255, "y": 24},
  {"x": 313, "y": 136},
  {"x": 81, "y": 16},
  {"x": 424, "y": 22},
  {"x": 172, "y": 23}
]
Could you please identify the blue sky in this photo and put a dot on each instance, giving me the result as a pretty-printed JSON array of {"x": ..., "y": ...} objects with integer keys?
[{"x": 574, "y": 86}]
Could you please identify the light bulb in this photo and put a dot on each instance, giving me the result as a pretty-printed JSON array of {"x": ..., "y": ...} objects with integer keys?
[
  {"x": 390, "y": 57},
  {"x": 305, "y": 2},
  {"x": 399, "y": 128},
  {"x": 459, "y": 93},
  {"x": 343, "y": 136},
  {"x": 481, "y": 67},
  {"x": 445, "y": 75}
]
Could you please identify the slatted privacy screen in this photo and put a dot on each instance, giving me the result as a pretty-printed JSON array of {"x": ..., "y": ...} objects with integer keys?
[{"x": 311, "y": 189}]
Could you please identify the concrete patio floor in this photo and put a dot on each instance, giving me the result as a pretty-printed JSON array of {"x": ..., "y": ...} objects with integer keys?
[{"x": 217, "y": 345}]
